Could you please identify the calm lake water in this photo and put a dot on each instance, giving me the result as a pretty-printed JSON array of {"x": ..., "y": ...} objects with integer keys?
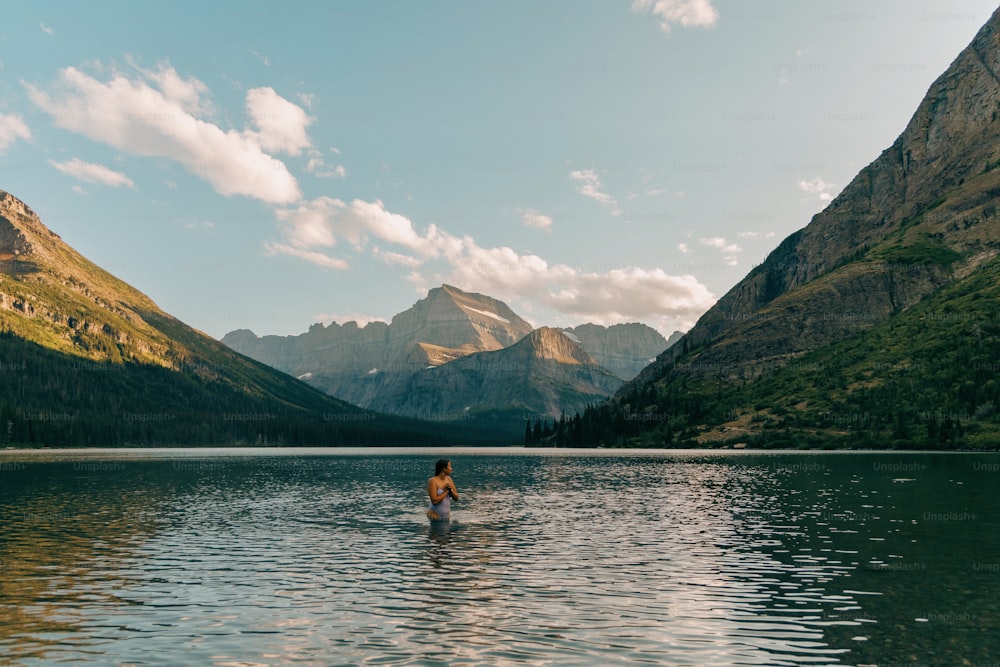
[{"x": 324, "y": 557}]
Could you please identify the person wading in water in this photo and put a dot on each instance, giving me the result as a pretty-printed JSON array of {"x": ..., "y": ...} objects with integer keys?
[{"x": 441, "y": 490}]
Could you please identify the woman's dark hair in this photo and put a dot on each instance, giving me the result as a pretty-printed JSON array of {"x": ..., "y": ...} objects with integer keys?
[{"x": 440, "y": 465}]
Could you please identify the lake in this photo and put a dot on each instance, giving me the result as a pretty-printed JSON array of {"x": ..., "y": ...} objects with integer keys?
[{"x": 552, "y": 557}]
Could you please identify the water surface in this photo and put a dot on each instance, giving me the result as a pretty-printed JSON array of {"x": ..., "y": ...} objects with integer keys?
[{"x": 321, "y": 557}]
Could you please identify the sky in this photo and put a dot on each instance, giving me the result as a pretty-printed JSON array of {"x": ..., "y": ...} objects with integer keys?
[{"x": 267, "y": 166}]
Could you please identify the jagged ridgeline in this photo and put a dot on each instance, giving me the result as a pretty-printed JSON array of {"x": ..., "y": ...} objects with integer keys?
[
  {"x": 876, "y": 325},
  {"x": 86, "y": 359},
  {"x": 462, "y": 357}
]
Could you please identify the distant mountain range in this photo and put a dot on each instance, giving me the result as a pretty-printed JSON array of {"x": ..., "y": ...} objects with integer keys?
[
  {"x": 876, "y": 325},
  {"x": 86, "y": 359},
  {"x": 459, "y": 356}
]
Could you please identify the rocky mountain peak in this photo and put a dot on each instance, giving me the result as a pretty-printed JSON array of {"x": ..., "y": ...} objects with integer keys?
[
  {"x": 464, "y": 322},
  {"x": 21, "y": 230},
  {"x": 553, "y": 344},
  {"x": 9, "y": 204}
]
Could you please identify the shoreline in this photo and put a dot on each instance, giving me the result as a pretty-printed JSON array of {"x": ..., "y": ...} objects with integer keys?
[{"x": 306, "y": 450}]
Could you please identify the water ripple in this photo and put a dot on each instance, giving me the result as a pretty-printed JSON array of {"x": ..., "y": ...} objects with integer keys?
[{"x": 560, "y": 560}]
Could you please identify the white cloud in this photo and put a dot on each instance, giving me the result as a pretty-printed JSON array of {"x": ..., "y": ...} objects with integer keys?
[
  {"x": 619, "y": 295},
  {"x": 755, "y": 235},
  {"x": 47, "y": 30},
  {"x": 817, "y": 186},
  {"x": 191, "y": 94},
  {"x": 91, "y": 172},
  {"x": 318, "y": 166},
  {"x": 730, "y": 251},
  {"x": 281, "y": 125},
  {"x": 311, "y": 256},
  {"x": 683, "y": 248},
  {"x": 590, "y": 186},
  {"x": 686, "y": 13},
  {"x": 264, "y": 59},
  {"x": 157, "y": 115},
  {"x": 320, "y": 221},
  {"x": 12, "y": 128},
  {"x": 626, "y": 294},
  {"x": 532, "y": 218}
]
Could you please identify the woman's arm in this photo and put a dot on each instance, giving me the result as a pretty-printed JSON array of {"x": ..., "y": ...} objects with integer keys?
[{"x": 450, "y": 487}]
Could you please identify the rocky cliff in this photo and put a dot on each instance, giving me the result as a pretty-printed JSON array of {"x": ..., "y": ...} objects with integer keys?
[
  {"x": 544, "y": 375},
  {"x": 372, "y": 366},
  {"x": 359, "y": 364},
  {"x": 624, "y": 349},
  {"x": 874, "y": 325},
  {"x": 920, "y": 215}
]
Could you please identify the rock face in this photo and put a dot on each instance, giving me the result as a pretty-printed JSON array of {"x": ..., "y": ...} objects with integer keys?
[
  {"x": 873, "y": 326},
  {"x": 386, "y": 367},
  {"x": 623, "y": 349},
  {"x": 919, "y": 216},
  {"x": 51, "y": 294},
  {"x": 360, "y": 364},
  {"x": 545, "y": 374}
]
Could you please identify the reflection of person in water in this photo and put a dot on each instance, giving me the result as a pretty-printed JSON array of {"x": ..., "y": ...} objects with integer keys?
[{"x": 441, "y": 490}]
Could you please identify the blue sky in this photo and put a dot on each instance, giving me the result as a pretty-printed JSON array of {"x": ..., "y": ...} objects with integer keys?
[{"x": 268, "y": 165}]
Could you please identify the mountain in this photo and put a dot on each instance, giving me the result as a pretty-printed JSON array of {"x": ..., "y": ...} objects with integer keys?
[
  {"x": 875, "y": 324},
  {"x": 624, "y": 349},
  {"x": 380, "y": 366},
  {"x": 86, "y": 359},
  {"x": 542, "y": 376},
  {"x": 360, "y": 364}
]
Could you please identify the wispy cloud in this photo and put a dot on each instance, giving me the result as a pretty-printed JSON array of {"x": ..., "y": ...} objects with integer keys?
[
  {"x": 90, "y": 172},
  {"x": 158, "y": 113},
  {"x": 311, "y": 256},
  {"x": 264, "y": 59},
  {"x": 12, "y": 128},
  {"x": 46, "y": 29},
  {"x": 318, "y": 166},
  {"x": 686, "y": 13},
  {"x": 437, "y": 256},
  {"x": 590, "y": 186},
  {"x": 817, "y": 187},
  {"x": 532, "y": 218},
  {"x": 730, "y": 251}
]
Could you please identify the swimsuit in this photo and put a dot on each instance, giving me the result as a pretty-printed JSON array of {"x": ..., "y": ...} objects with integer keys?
[{"x": 443, "y": 508}]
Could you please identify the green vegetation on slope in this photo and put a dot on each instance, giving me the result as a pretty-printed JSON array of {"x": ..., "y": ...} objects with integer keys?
[
  {"x": 926, "y": 378},
  {"x": 51, "y": 399}
]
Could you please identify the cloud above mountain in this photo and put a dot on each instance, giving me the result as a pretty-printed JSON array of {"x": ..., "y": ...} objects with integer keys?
[
  {"x": 91, "y": 172},
  {"x": 436, "y": 256},
  {"x": 158, "y": 113},
  {"x": 12, "y": 128}
]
